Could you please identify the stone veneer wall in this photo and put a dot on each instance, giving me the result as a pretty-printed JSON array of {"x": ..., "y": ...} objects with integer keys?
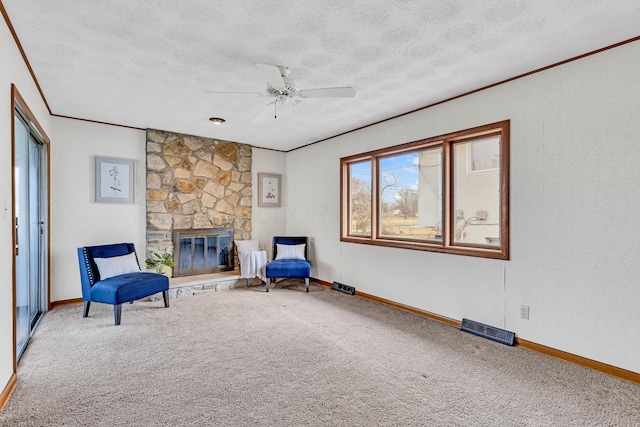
[{"x": 195, "y": 182}]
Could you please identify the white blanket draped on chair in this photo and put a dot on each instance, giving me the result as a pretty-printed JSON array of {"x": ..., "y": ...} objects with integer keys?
[{"x": 253, "y": 264}]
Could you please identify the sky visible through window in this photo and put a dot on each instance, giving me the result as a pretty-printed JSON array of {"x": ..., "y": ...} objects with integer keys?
[
  {"x": 361, "y": 171},
  {"x": 404, "y": 167},
  {"x": 399, "y": 172}
]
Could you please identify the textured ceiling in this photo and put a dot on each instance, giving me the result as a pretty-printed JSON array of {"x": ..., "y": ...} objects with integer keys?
[{"x": 149, "y": 63}]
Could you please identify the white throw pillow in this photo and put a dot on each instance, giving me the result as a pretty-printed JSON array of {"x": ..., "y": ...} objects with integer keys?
[
  {"x": 290, "y": 251},
  {"x": 247, "y": 245},
  {"x": 117, "y": 265}
]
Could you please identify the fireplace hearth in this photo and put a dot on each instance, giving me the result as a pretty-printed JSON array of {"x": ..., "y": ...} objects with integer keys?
[{"x": 202, "y": 251}]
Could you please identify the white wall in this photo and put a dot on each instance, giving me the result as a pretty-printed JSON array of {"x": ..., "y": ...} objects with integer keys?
[
  {"x": 575, "y": 153},
  {"x": 268, "y": 222},
  {"x": 12, "y": 70},
  {"x": 76, "y": 219}
]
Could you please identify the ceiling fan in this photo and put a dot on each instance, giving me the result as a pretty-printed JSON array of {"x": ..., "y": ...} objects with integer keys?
[{"x": 285, "y": 90}]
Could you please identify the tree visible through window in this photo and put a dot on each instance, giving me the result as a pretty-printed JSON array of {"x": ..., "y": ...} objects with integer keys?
[
  {"x": 360, "y": 198},
  {"x": 444, "y": 194}
]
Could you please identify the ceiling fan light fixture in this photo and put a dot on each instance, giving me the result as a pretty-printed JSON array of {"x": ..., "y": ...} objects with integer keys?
[
  {"x": 217, "y": 120},
  {"x": 285, "y": 90}
]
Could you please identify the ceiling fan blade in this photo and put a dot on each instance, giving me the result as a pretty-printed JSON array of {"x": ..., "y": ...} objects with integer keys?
[
  {"x": 272, "y": 75},
  {"x": 329, "y": 92},
  {"x": 236, "y": 93}
]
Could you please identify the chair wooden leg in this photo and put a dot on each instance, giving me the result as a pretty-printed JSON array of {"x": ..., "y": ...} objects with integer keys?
[
  {"x": 85, "y": 312},
  {"x": 165, "y": 296},
  {"x": 117, "y": 313},
  {"x": 306, "y": 283},
  {"x": 268, "y": 282}
]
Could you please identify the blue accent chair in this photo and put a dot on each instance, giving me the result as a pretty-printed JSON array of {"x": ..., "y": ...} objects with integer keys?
[
  {"x": 118, "y": 289},
  {"x": 289, "y": 268}
]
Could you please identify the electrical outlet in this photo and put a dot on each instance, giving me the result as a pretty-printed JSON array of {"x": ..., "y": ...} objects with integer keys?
[
  {"x": 524, "y": 311},
  {"x": 482, "y": 215}
]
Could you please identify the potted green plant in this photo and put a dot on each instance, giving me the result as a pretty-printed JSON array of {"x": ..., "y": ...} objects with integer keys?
[{"x": 160, "y": 261}]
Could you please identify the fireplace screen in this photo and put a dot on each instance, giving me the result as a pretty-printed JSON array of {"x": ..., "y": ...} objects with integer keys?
[{"x": 202, "y": 251}]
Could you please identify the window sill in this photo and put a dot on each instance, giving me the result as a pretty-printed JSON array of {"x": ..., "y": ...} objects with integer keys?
[{"x": 467, "y": 250}]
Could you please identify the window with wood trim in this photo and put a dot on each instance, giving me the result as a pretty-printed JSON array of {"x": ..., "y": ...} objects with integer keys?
[{"x": 448, "y": 193}]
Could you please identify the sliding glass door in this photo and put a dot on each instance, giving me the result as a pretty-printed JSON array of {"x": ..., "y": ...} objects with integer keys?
[{"x": 30, "y": 177}]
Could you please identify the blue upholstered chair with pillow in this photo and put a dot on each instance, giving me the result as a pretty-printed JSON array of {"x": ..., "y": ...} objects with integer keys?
[
  {"x": 110, "y": 274},
  {"x": 290, "y": 259}
]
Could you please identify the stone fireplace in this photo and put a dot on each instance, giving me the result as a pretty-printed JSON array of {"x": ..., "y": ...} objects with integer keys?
[{"x": 196, "y": 184}]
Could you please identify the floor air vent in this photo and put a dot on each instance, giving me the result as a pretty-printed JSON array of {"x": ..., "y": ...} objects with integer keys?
[
  {"x": 486, "y": 331},
  {"x": 343, "y": 288}
]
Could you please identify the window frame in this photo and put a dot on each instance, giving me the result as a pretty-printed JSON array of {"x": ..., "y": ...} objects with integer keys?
[
  {"x": 349, "y": 199},
  {"x": 447, "y": 244}
]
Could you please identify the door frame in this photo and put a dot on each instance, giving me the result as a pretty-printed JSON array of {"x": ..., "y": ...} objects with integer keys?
[{"x": 16, "y": 98}]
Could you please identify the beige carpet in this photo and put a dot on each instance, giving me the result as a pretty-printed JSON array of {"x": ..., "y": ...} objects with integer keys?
[{"x": 287, "y": 358}]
